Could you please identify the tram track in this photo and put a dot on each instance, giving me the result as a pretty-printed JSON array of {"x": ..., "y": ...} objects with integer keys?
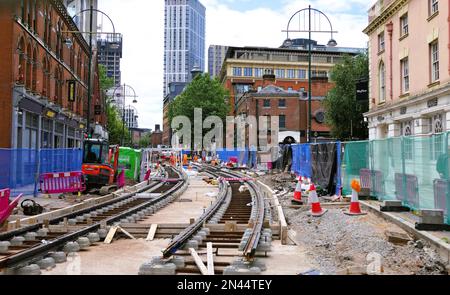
[
  {"x": 29, "y": 244},
  {"x": 232, "y": 225}
]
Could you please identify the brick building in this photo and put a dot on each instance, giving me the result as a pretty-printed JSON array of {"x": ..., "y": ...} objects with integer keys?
[
  {"x": 291, "y": 108},
  {"x": 286, "y": 92},
  {"x": 44, "y": 77}
]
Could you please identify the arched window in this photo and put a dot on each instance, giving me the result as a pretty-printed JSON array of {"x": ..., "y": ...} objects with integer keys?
[
  {"x": 72, "y": 56},
  {"x": 22, "y": 61},
  {"x": 22, "y": 11},
  {"x": 29, "y": 59},
  {"x": 382, "y": 82},
  {"x": 35, "y": 15},
  {"x": 61, "y": 40},
  {"x": 34, "y": 63},
  {"x": 79, "y": 62},
  {"x": 58, "y": 40},
  {"x": 29, "y": 13},
  {"x": 56, "y": 89},
  {"x": 45, "y": 77}
]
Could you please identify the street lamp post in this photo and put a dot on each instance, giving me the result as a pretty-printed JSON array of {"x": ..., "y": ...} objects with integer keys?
[
  {"x": 318, "y": 15},
  {"x": 124, "y": 96},
  {"x": 90, "y": 33}
]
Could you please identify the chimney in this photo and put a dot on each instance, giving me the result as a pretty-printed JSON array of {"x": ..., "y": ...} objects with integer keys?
[
  {"x": 157, "y": 128},
  {"x": 268, "y": 77}
]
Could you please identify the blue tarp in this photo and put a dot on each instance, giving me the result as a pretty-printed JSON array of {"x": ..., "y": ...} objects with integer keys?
[
  {"x": 301, "y": 160},
  {"x": 20, "y": 168}
]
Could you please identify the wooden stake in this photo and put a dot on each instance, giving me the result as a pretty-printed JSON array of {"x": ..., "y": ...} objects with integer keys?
[
  {"x": 152, "y": 232},
  {"x": 210, "y": 258},
  {"x": 198, "y": 261}
]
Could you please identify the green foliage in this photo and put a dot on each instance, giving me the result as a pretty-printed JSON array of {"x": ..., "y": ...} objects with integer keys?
[
  {"x": 204, "y": 93},
  {"x": 145, "y": 141},
  {"x": 115, "y": 123},
  {"x": 343, "y": 112},
  {"x": 105, "y": 81}
]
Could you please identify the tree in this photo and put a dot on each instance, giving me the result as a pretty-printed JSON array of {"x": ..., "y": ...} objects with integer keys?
[
  {"x": 145, "y": 141},
  {"x": 344, "y": 114},
  {"x": 115, "y": 123},
  {"x": 203, "y": 93}
]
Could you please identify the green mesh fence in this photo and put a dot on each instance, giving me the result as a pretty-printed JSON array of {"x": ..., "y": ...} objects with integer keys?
[{"x": 412, "y": 169}]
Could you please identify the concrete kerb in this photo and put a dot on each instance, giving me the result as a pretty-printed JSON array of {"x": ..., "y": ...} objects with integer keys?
[
  {"x": 270, "y": 194},
  {"x": 442, "y": 248}
]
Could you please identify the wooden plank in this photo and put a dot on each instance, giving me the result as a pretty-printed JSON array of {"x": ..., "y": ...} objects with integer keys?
[
  {"x": 198, "y": 261},
  {"x": 127, "y": 233},
  {"x": 152, "y": 232},
  {"x": 110, "y": 235},
  {"x": 210, "y": 258}
]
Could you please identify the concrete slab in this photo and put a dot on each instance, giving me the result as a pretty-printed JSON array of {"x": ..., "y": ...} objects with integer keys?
[{"x": 286, "y": 260}]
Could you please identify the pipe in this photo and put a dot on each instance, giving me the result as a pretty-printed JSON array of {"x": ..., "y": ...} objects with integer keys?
[
  {"x": 448, "y": 20},
  {"x": 390, "y": 29}
]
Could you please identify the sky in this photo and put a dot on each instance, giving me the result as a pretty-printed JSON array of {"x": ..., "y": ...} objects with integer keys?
[{"x": 228, "y": 22}]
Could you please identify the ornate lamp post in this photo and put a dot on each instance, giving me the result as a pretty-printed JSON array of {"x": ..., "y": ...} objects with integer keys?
[
  {"x": 124, "y": 96},
  {"x": 314, "y": 18}
]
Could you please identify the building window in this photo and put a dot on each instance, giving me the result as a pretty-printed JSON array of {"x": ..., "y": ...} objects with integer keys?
[
  {"x": 404, "y": 28},
  {"x": 282, "y": 103},
  {"x": 434, "y": 6},
  {"x": 248, "y": 72},
  {"x": 301, "y": 74},
  {"x": 282, "y": 121},
  {"x": 291, "y": 74},
  {"x": 258, "y": 72},
  {"x": 266, "y": 103},
  {"x": 280, "y": 73},
  {"x": 438, "y": 143},
  {"x": 404, "y": 64},
  {"x": 237, "y": 72},
  {"x": 434, "y": 57},
  {"x": 382, "y": 83},
  {"x": 381, "y": 44}
]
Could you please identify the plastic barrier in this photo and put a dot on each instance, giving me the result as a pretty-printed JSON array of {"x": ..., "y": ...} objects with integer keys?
[
  {"x": 62, "y": 182},
  {"x": 6, "y": 208},
  {"x": 20, "y": 168}
]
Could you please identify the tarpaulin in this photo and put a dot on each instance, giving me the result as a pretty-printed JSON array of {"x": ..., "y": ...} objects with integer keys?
[{"x": 324, "y": 165}]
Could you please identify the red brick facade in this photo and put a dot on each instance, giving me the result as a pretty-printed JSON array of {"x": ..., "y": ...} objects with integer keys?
[{"x": 37, "y": 64}]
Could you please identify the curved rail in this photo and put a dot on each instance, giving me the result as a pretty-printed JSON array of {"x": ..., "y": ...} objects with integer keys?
[
  {"x": 28, "y": 254},
  {"x": 253, "y": 241}
]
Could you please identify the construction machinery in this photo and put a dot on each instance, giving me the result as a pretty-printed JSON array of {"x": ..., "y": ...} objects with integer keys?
[{"x": 100, "y": 165}]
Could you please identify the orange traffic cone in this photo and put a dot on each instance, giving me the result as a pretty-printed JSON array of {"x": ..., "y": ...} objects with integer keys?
[
  {"x": 316, "y": 209},
  {"x": 298, "y": 192},
  {"x": 355, "y": 209}
]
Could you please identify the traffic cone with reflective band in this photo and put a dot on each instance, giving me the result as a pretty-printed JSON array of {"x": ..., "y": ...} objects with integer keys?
[
  {"x": 355, "y": 208},
  {"x": 316, "y": 209},
  {"x": 298, "y": 192}
]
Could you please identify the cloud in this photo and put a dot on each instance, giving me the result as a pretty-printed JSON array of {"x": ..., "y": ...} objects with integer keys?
[{"x": 228, "y": 22}]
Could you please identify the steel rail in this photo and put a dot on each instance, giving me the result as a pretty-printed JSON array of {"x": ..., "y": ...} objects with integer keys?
[
  {"x": 10, "y": 234},
  {"x": 37, "y": 251},
  {"x": 187, "y": 233}
]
